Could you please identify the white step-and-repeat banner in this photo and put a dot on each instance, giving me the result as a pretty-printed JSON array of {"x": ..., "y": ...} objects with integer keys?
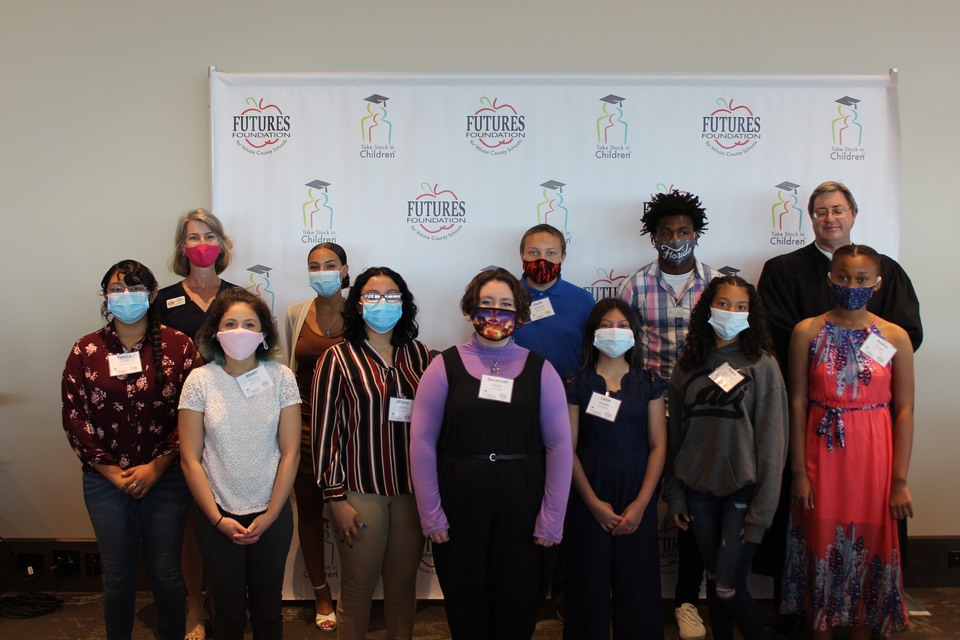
[{"x": 438, "y": 176}]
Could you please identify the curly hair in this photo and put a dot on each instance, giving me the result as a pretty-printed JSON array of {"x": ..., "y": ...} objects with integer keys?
[
  {"x": 755, "y": 340},
  {"x": 470, "y": 301},
  {"x": 673, "y": 203},
  {"x": 337, "y": 251},
  {"x": 207, "y": 341},
  {"x": 354, "y": 328},
  {"x": 134, "y": 273},
  {"x": 602, "y": 308}
]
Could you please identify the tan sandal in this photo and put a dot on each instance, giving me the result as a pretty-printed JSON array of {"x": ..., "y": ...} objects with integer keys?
[{"x": 327, "y": 622}]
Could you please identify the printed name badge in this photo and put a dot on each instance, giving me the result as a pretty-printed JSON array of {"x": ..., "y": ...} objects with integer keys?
[
  {"x": 726, "y": 377},
  {"x": 124, "y": 363},
  {"x": 253, "y": 382},
  {"x": 179, "y": 301},
  {"x": 496, "y": 388},
  {"x": 541, "y": 309},
  {"x": 603, "y": 406},
  {"x": 401, "y": 410},
  {"x": 879, "y": 350},
  {"x": 674, "y": 312}
]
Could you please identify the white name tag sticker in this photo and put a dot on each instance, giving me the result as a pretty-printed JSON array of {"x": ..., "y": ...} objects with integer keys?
[
  {"x": 253, "y": 382},
  {"x": 726, "y": 377},
  {"x": 496, "y": 388},
  {"x": 123, "y": 363},
  {"x": 401, "y": 410},
  {"x": 179, "y": 301},
  {"x": 541, "y": 309},
  {"x": 879, "y": 350},
  {"x": 603, "y": 406},
  {"x": 674, "y": 312}
]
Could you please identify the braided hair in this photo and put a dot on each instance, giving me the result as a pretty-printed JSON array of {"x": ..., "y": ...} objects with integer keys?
[{"x": 133, "y": 273}]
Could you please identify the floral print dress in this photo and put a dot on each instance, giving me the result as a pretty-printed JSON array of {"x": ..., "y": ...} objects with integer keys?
[{"x": 842, "y": 567}]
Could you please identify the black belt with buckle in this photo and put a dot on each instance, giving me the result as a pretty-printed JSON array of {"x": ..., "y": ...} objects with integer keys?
[{"x": 492, "y": 457}]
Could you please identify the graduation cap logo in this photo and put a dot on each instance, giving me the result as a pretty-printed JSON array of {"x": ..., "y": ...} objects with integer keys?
[
  {"x": 847, "y": 126},
  {"x": 729, "y": 271},
  {"x": 260, "y": 284},
  {"x": 318, "y": 197},
  {"x": 551, "y": 209},
  {"x": 787, "y": 203},
  {"x": 611, "y": 121},
  {"x": 374, "y": 125}
]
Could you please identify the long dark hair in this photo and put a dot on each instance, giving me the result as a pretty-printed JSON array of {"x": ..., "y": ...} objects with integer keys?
[
  {"x": 590, "y": 353},
  {"x": 353, "y": 325},
  {"x": 133, "y": 273},
  {"x": 207, "y": 341},
  {"x": 755, "y": 340}
]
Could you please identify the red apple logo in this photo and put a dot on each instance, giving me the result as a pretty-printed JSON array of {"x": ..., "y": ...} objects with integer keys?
[
  {"x": 490, "y": 109},
  {"x": 607, "y": 279},
  {"x": 727, "y": 108},
  {"x": 258, "y": 108},
  {"x": 434, "y": 193}
]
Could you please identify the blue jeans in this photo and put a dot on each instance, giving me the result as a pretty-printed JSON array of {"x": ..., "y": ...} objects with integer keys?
[
  {"x": 717, "y": 523},
  {"x": 128, "y": 529}
]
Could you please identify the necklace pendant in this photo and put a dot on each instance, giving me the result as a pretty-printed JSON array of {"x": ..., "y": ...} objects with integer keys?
[{"x": 495, "y": 369}]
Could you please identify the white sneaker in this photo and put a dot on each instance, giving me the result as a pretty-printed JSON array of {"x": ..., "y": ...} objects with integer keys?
[{"x": 690, "y": 622}]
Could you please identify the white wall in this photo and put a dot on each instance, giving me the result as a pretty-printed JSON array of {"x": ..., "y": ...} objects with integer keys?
[{"x": 104, "y": 134}]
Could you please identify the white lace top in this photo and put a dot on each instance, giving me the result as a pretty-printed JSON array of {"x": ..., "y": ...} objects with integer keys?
[{"x": 241, "y": 449}]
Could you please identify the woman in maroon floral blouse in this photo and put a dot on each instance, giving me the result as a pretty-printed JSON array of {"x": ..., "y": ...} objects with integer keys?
[{"x": 121, "y": 386}]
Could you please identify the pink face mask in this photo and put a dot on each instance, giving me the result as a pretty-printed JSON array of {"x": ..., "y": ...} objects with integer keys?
[
  {"x": 202, "y": 255},
  {"x": 240, "y": 344}
]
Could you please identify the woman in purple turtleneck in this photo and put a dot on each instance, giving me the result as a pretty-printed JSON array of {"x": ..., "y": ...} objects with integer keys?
[{"x": 492, "y": 462}]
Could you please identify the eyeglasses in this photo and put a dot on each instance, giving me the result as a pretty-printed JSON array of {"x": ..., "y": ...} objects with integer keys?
[
  {"x": 120, "y": 288},
  {"x": 373, "y": 297},
  {"x": 838, "y": 212}
]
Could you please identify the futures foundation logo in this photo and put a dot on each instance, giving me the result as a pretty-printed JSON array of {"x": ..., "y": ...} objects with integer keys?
[
  {"x": 606, "y": 285},
  {"x": 261, "y": 129},
  {"x": 317, "y": 214},
  {"x": 847, "y": 131},
  {"x": 496, "y": 128},
  {"x": 786, "y": 216},
  {"x": 731, "y": 130},
  {"x": 436, "y": 214},
  {"x": 612, "y": 129},
  {"x": 376, "y": 129}
]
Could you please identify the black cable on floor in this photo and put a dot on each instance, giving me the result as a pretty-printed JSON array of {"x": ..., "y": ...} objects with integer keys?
[{"x": 25, "y": 604}]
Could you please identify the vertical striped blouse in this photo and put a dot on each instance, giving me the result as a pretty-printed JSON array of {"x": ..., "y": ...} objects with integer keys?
[{"x": 355, "y": 446}]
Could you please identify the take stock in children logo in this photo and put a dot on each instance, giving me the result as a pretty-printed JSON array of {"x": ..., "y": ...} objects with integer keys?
[
  {"x": 612, "y": 129},
  {"x": 260, "y": 284},
  {"x": 376, "y": 129},
  {"x": 551, "y": 208},
  {"x": 437, "y": 213},
  {"x": 317, "y": 214},
  {"x": 496, "y": 128},
  {"x": 731, "y": 130},
  {"x": 262, "y": 128},
  {"x": 846, "y": 130},
  {"x": 786, "y": 216}
]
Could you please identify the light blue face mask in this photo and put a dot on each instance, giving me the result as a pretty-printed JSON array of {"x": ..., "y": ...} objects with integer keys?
[
  {"x": 728, "y": 324},
  {"x": 325, "y": 283},
  {"x": 129, "y": 306},
  {"x": 382, "y": 316},
  {"x": 612, "y": 341}
]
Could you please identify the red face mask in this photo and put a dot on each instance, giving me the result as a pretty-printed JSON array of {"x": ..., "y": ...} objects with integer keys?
[
  {"x": 541, "y": 270},
  {"x": 202, "y": 255}
]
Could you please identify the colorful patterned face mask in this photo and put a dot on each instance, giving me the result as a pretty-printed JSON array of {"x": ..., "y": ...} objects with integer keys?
[{"x": 493, "y": 323}]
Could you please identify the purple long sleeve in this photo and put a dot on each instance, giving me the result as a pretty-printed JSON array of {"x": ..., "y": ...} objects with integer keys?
[{"x": 428, "y": 410}]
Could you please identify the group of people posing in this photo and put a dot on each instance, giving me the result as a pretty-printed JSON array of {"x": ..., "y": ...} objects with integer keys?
[{"x": 559, "y": 420}]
